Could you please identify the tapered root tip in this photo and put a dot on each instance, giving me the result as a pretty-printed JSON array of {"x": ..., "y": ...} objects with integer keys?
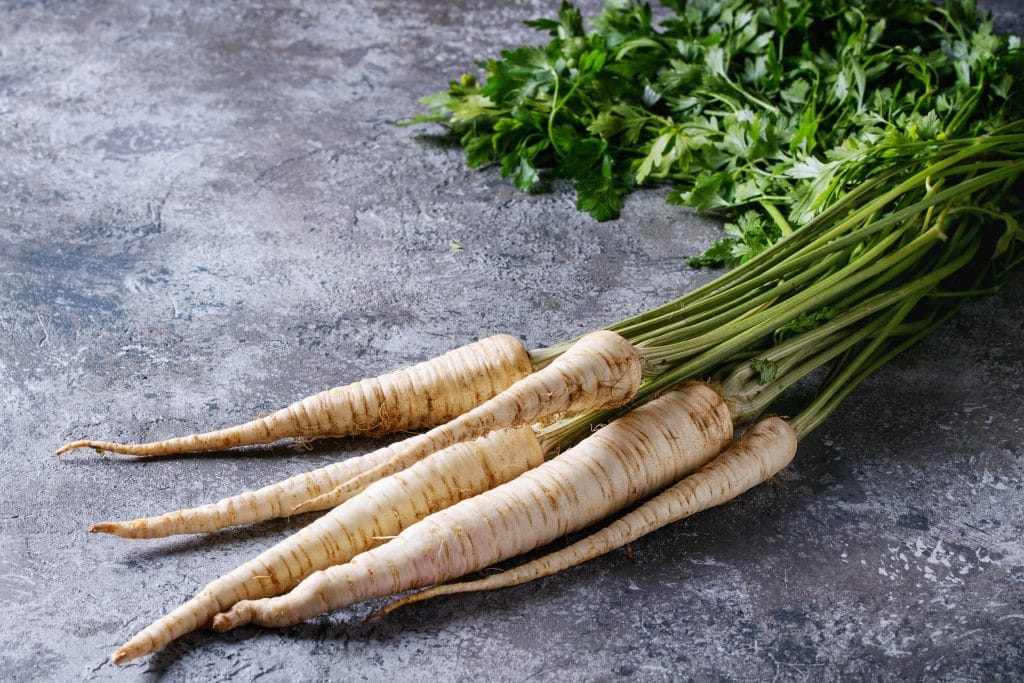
[
  {"x": 123, "y": 655},
  {"x": 70, "y": 447},
  {"x": 395, "y": 604},
  {"x": 239, "y": 615},
  {"x": 301, "y": 507},
  {"x": 98, "y": 446}
]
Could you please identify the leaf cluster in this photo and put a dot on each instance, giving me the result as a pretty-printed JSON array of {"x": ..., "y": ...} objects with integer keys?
[
  {"x": 867, "y": 156},
  {"x": 741, "y": 106}
]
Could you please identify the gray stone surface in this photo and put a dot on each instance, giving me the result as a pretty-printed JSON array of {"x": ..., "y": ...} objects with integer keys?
[{"x": 206, "y": 212}]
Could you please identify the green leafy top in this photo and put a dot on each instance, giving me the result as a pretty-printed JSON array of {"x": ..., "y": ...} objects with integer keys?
[
  {"x": 753, "y": 107},
  {"x": 868, "y": 157}
]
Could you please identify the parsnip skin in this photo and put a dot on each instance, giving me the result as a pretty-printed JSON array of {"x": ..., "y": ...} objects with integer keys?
[
  {"x": 276, "y": 500},
  {"x": 601, "y": 370},
  {"x": 761, "y": 453},
  {"x": 615, "y": 380},
  {"x": 422, "y": 395},
  {"x": 381, "y": 511},
  {"x": 632, "y": 457}
]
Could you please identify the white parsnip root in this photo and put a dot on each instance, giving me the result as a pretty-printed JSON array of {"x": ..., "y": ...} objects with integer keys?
[
  {"x": 763, "y": 451},
  {"x": 601, "y": 370},
  {"x": 632, "y": 457},
  {"x": 276, "y": 500},
  {"x": 454, "y": 500},
  {"x": 379, "y": 512},
  {"x": 423, "y": 395}
]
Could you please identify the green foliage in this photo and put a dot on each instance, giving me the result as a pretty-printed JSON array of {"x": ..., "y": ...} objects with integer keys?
[
  {"x": 804, "y": 323},
  {"x": 766, "y": 370},
  {"x": 732, "y": 102},
  {"x": 867, "y": 158},
  {"x": 751, "y": 234}
]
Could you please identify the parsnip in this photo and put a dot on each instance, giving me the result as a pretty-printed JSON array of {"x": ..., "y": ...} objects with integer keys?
[
  {"x": 630, "y": 458},
  {"x": 423, "y": 395},
  {"x": 276, "y": 500},
  {"x": 761, "y": 453},
  {"x": 601, "y": 370},
  {"x": 381, "y": 511}
]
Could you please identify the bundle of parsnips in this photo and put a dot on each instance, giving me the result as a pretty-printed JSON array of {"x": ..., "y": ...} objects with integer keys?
[{"x": 873, "y": 166}]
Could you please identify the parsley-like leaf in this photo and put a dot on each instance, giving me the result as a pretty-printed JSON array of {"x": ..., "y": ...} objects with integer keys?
[
  {"x": 766, "y": 370},
  {"x": 732, "y": 102}
]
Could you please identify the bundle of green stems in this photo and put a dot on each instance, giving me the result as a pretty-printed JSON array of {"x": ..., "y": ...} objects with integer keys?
[{"x": 915, "y": 229}]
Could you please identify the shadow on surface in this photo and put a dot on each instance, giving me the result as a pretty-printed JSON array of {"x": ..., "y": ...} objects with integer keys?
[{"x": 438, "y": 140}]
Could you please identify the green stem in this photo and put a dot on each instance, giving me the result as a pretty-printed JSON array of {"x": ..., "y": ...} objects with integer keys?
[
  {"x": 777, "y": 216},
  {"x": 842, "y": 383},
  {"x": 730, "y": 337}
]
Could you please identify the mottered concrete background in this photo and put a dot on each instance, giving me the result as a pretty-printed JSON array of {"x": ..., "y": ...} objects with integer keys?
[{"x": 206, "y": 211}]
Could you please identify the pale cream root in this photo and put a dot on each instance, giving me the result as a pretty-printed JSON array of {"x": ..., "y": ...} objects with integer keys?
[
  {"x": 423, "y": 395},
  {"x": 763, "y": 451},
  {"x": 632, "y": 457},
  {"x": 601, "y": 370},
  {"x": 276, "y": 500},
  {"x": 381, "y": 511}
]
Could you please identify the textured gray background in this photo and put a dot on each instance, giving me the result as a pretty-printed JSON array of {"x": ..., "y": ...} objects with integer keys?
[{"x": 207, "y": 212}]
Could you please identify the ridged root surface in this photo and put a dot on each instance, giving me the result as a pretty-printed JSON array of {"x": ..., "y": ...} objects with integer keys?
[
  {"x": 430, "y": 393},
  {"x": 761, "y": 453},
  {"x": 632, "y": 457},
  {"x": 381, "y": 511},
  {"x": 601, "y": 370}
]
